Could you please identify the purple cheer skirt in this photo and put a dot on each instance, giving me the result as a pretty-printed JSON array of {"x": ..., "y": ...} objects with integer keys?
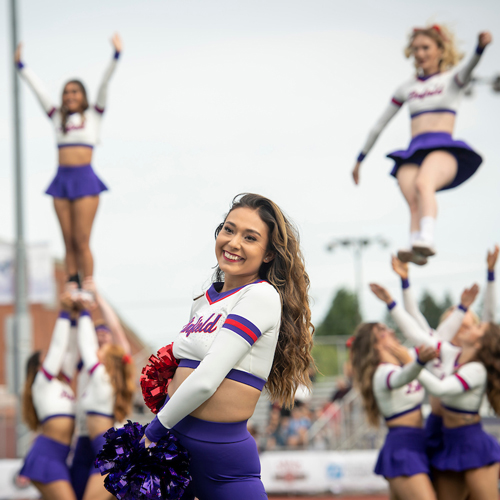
[
  {"x": 403, "y": 453},
  {"x": 464, "y": 448},
  {"x": 433, "y": 434},
  {"x": 75, "y": 182},
  {"x": 46, "y": 461},
  {"x": 421, "y": 145}
]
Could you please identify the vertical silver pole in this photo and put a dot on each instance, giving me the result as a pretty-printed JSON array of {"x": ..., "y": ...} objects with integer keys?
[{"x": 21, "y": 325}]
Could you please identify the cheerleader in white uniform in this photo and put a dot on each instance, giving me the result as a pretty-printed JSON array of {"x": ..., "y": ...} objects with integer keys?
[
  {"x": 49, "y": 407},
  {"x": 76, "y": 187},
  {"x": 252, "y": 328},
  {"x": 390, "y": 390},
  {"x": 107, "y": 395},
  {"x": 434, "y": 161}
]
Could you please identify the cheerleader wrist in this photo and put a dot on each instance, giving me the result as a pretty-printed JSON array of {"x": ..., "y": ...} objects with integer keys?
[
  {"x": 391, "y": 305},
  {"x": 116, "y": 55},
  {"x": 479, "y": 50},
  {"x": 462, "y": 308},
  {"x": 491, "y": 275},
  {"x": 361, "y": 157},
  {"x": 155, "y": 430},
  {"x": 20, "y": 65},
  {"x": 405, "y": 283},
  {"x": 64, "y": 314}
]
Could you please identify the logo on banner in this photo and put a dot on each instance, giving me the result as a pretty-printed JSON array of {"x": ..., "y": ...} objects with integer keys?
[
  {"x": 334, "y": 471},
  {"x": 290, "y": 470}
]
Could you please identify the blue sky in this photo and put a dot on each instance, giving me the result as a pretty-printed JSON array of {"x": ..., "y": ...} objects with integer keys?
[{"x": 214, "y": 98}]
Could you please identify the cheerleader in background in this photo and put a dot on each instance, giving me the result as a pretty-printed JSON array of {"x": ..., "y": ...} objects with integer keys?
[
  {"x": 390, "y": 390},
  {"x": 76, "y": 187},
  {"x": 434, "y": 161},
  {"x": 108, "y": 331},
  {"x": 450, "y": 353},
  {"x": 49, "y": 407},
  {"x": 107, "y": 396}
]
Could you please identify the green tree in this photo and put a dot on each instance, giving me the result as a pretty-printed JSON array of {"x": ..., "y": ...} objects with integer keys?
[
  {"x": 343, "y": 316},
  {"x": 433, "y": 310}
]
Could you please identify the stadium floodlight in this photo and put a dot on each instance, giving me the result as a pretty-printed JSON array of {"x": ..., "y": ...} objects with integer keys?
[{"x": 357, "y": 245}]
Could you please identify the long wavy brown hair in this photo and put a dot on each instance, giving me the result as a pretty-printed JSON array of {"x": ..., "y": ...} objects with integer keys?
[
  {"x": 444, "y": 39},
  {"x": 28, "y": 409},
  {"x": 120, "y": 369},
  {"x": 489, "y": 355},
  {"x": 64, "y": 111},
  {"x": 286, "y": 272},
  {"x": 365, "y": 359}
]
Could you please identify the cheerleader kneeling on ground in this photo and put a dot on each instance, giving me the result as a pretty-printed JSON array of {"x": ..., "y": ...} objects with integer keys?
[
  {"x": 390, "y": 390},
  {"x": 49, "y": 407},
  {"x": 107, "y": 396}
]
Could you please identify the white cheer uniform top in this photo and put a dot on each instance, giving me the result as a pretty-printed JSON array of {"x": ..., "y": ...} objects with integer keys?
[
  {"x": 98, "y": 397},
  {"x": 230, "y": 335},
  {"x": 439, "y": 339},
  {"x": 396, "y": 390},
  {"x": 438, "y": 93},
  {"x": 461, "y": 392},
  {"x": 82, "y": 129},
  {"x": 51, "y": 396}
]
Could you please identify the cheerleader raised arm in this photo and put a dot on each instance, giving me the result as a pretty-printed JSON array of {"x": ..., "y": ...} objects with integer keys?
[{"x": 434, "y": 161}]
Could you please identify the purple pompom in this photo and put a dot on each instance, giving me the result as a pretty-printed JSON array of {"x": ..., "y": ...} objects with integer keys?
[{"x": 136, "y": 472}]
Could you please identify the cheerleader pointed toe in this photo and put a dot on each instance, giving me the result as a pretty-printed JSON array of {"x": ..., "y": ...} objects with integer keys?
[{"x": 423, "y": 248}]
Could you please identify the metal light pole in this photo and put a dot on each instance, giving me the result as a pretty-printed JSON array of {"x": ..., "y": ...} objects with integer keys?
[
  {"x": 21, "y": 334},
  {"x": 357, "y": 245}
]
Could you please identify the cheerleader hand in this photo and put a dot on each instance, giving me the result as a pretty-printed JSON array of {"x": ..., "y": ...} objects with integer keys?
[
  {"x": 469, "y": 296},
  {"x": 355, "y": 173},
  {"x": 381, "y": 293},
  {"x": 484, "y": 39},
  {"x": 17, "y": 53},
  {"x": 117, "y": 42},
  {"x": 67, "y": 303},
  {"x": 492, "y": 257},
  {"x": 147, "y": 442},
  {"x": 399, "y": 267},
  {"x": 425, "y": 353}
]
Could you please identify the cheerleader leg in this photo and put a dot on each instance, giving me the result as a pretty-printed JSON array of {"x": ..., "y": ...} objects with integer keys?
[
  {"x": 483, "y": 482},
  {"x": 83, "y": 211},
  {"x": 437, "y": 171},
  {"x": 62, "y": 207},
  {"x": 417, "y": 487},
  {"x": 57, "y": 490},
  {"x": 406, "y": 176},
  {"x": 450, "y": 485}
]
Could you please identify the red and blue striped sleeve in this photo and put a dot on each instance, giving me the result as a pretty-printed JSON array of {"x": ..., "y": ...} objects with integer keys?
[{"x": 242, "y": 327}]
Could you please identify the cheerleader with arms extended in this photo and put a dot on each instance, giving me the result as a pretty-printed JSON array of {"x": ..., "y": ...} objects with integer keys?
[
  {"x": 434, "y": 161},
  {"x": 108, "y": 331},
  {"x": 468, "y": 452},
  {"x": 107, "y": 396},
  {"x": 390, "y": 390},
  {"x": 249, "y": 330},
  {"x": 76, "y": 187},
  {"x": 49, "y": 407}
]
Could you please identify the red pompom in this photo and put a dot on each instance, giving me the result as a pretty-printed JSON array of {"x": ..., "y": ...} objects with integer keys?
[{"x": 156, "y": 376}]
